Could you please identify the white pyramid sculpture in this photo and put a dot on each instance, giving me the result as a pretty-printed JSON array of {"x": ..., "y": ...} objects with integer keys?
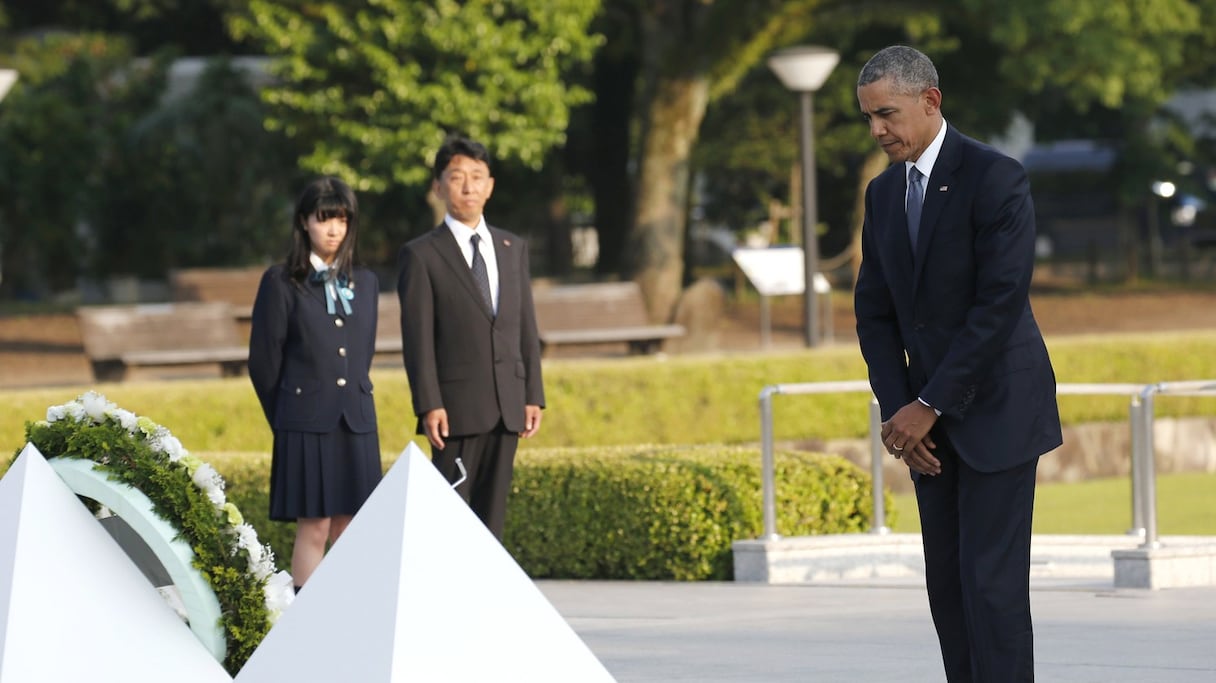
[
  {"x": 73, "y": 607},
  {"x": 417, "y": 589}
]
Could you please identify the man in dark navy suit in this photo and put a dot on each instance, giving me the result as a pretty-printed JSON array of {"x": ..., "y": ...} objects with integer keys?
[
  {"x": 472, "y": 350},
  {"x": 956, "y": 360}
]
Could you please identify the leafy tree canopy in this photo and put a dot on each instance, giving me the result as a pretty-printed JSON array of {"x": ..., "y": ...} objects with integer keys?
[
  {"x": 375, "y": 89},
  {"x": 1103, "y": 52}
]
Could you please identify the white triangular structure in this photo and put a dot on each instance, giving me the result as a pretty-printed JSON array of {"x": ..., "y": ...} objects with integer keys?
[
  {"x": 417, "y": 589},
  {"x": 73, "y": 607}
]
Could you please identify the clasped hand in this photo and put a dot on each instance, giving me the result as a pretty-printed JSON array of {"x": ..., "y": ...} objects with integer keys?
[{"x": 906, "y": 436}]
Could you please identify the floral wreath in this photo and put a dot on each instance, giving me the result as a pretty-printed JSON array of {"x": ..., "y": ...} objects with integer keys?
[{"x": 188, "y": 494}]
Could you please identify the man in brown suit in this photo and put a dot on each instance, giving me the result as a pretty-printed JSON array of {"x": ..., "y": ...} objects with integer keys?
[{"x": 472, "y": 350}]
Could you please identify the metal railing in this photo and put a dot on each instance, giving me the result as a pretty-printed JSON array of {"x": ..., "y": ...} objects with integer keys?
[{"x": 1140, "y": 421}]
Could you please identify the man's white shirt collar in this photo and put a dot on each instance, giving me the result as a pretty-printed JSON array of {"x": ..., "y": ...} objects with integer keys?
[
  {"x": 464, "y": 232},
  {"x": 928, "y": 158}
]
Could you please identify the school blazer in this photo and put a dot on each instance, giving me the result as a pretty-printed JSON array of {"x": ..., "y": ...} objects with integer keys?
[
  {"x": 309, "y": 368},
  {"x": 458, "y": 355},
  {"x": 952, "y": 323}
]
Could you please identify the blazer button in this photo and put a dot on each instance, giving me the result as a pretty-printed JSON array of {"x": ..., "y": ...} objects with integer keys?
[
  {"x": 338, "y": 322},
  {"x": 341, "y": 381},
  {"x": 299, "y": 391},
  {"x": 342, "y": 351}
]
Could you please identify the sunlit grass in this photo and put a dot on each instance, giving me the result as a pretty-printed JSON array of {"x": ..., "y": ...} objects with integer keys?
[{"x": 1186, "y": 506}]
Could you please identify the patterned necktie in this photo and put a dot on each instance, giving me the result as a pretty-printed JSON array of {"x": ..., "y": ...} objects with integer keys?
[
  {"x": 480, "y": 275},
  {"x": 915, "y": 199}
]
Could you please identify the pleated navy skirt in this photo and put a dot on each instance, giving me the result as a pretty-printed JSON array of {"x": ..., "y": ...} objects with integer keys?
[{"x": 322, "y": 475}]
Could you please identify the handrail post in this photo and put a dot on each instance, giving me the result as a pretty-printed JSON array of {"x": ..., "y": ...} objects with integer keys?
[
  {"x": 767, "y": 470},
  {"x": 1135, "y": 420},
  {"x": 878, "y": 525},
  {"x": 1148, "y": 472}
]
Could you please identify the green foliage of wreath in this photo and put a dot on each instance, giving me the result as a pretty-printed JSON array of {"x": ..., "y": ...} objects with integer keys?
[{"x": 186, "y": 493}]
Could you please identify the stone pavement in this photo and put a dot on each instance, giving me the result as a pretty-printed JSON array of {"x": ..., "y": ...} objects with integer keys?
[{"x": 711, "y": 632}]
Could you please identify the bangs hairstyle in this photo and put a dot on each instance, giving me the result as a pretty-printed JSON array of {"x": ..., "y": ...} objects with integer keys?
[
  {"x": 328, "y": 209},
  {"x": 324, "y": 198}
]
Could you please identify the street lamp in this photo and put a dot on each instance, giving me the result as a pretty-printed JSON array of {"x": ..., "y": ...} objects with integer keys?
[{"x": 803, "y": 70}]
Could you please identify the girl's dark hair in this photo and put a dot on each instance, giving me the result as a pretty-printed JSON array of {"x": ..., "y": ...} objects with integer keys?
[{"x": 326, "y": 198}]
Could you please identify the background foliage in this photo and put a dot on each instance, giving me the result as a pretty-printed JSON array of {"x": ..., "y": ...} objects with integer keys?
[
  {"x": 602, "y": 112},
  {"x": 372, "y": 91}
]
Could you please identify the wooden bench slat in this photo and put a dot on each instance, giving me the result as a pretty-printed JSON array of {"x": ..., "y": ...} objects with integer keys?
[
  {"x": 119, "y": 338},
  {"x": 185, "y": 356},
  {"x": 603, "y": 312},
  {"x": 612, "y": 334}
]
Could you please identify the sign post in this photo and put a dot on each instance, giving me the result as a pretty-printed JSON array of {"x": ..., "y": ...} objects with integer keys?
[{"x": 775, "y": 271}]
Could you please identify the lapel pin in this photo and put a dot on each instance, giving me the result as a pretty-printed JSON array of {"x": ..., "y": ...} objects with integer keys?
[
  {"x": 943, "y": 188},
  {"x": 506, "y": 243}
]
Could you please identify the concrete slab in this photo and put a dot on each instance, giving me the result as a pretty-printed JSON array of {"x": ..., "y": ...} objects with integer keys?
[
  {"x": 1172, "y": 564},
  {"x": 1111, "y": 561},
  {"x": 718, "y": 632}
]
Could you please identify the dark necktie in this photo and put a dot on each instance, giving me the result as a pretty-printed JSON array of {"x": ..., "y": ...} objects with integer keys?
[
  {"x": 915, "y": 199},
  {"x": 480, "y": 275}
]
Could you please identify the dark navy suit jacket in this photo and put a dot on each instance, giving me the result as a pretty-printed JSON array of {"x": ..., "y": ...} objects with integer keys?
[
  {"x": 459, "y": 356},
  {"x": 952, "y": 323},
  {"x": 308, "y": 367}
]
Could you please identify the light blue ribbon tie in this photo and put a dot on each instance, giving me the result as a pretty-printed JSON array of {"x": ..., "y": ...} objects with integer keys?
[{"x": 336, "y": 290}]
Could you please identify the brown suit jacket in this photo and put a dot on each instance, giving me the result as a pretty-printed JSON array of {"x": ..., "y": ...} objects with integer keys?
[{"x": 458, "y": 355}]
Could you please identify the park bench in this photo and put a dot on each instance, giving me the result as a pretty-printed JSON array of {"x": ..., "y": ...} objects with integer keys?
[
  {"x": 239, "y": 286},
  {"x": 388, "y": 328},
  {"x": 236, "y": 286},
  {"x": 161, "y": 339},
  {"x": 598, "y": 313}
]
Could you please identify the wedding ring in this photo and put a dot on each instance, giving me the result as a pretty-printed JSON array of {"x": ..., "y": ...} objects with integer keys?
[{"x": 898, "y": 448}]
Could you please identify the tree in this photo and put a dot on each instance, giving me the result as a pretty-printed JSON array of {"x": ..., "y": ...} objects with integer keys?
[
  {"x": 76, "y": 95},
  {"x": 204, "y": 183},
  {"x": 994, "y": 58},
  {"x": 373, "y": 89},
  {"x": 692, "y": 53}
]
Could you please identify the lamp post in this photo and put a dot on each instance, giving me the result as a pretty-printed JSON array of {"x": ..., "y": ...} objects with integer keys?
[
  {"x": 803, "y": 70},
  {"x": 7, "y": 78}
]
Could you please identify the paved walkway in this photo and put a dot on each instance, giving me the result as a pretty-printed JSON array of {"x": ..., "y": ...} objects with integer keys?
[{"x": 710, "y": 632}]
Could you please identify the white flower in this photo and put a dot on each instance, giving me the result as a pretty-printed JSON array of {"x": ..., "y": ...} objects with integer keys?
[
  {"x": 56, "y": 413},
  {"x": 279, "y": 592},
  {"x": 75, "y": 410},
  {"x": 127, "y": 419},
  {"x": 261, "y": 558},
  {"x": 207, "y": 479},
  {"x": 164, "y": 442},
  {"x": 95, "y": 406}
]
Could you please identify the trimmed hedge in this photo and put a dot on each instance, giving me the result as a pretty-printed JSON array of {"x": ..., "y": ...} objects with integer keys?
[
  {"x": 668, "y": 513},
  {"x": 649, "y": 512},
  {"x": 688, "y": 399}
]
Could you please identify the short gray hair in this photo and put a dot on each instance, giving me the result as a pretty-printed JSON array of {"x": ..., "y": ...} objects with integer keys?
[{"x": 910, "y": 71}]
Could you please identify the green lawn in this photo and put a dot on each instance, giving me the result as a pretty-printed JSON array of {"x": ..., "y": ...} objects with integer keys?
[{"x": 1186, "y": 505}]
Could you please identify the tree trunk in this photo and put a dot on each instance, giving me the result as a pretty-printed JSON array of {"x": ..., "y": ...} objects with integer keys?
[
  {"x": 656, "y": 242},
  {"x": 874, "y": 164}
]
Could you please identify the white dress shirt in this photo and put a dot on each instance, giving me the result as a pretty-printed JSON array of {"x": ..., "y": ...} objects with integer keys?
[{"x": 464, "y": 235}]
